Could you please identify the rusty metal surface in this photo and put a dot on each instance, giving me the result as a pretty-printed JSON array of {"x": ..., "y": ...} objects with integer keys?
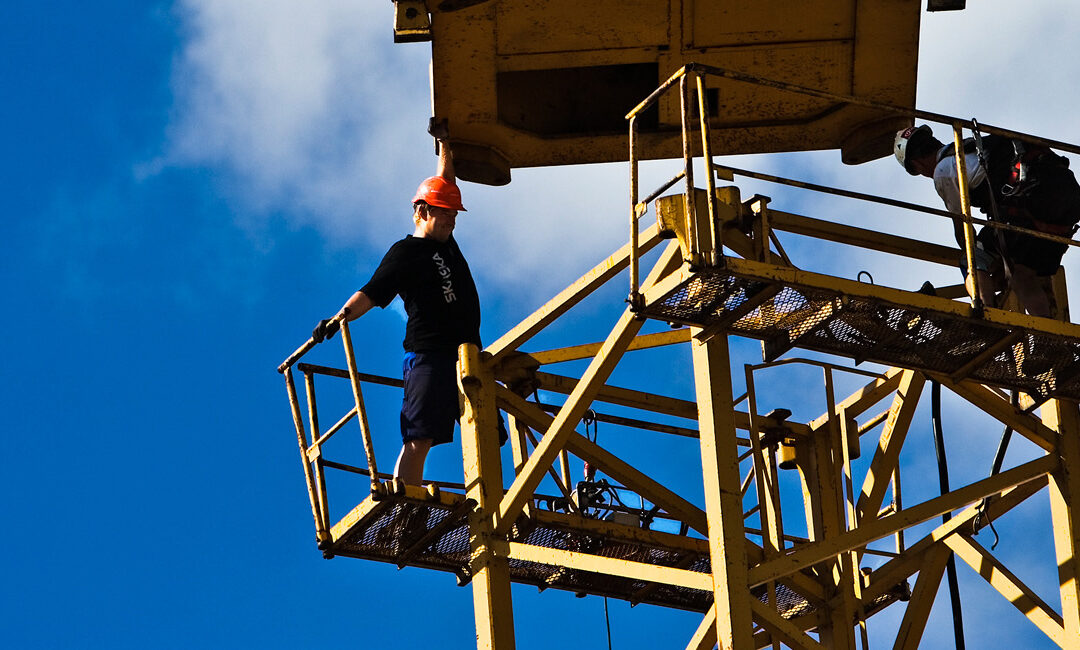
[{"x": 873, "y": 330}]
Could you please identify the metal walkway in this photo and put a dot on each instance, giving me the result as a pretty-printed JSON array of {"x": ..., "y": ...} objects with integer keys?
[
  {"x": 787, "y": 308},
  {"x": 431, "y": 530}
]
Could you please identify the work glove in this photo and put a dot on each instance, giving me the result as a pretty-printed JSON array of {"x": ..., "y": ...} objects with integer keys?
[
  {"x": 325, "y": 329},
  {"x": 439, "y": 129}
]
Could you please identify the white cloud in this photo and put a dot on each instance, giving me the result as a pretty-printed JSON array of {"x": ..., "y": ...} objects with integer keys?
[{"x": 296, "y": 108}]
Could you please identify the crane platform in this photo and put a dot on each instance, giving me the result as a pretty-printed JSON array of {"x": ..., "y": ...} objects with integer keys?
[
  {"x": 411, "y": 526},
  {"x": 790, "y": 308}
]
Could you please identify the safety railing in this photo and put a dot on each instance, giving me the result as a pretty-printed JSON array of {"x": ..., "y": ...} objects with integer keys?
[
  {"x": 311, "y": 451},
  {"x": 312, "y": 439},
  {"x": 691, "y": 79}
]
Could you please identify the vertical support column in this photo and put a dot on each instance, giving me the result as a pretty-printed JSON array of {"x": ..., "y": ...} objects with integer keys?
[
  {"x": 1064, "y": 417},
  {"x": 828, "y": 520},
  {"x": 492, "y": 607},
  {"x": 723, "y": 496}
]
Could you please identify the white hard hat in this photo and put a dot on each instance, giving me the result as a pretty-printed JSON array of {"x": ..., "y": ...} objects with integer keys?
[{"x": 904, "y": 138}]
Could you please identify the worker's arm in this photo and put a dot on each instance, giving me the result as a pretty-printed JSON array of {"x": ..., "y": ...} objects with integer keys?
[
  {"x": 441, "y": 132},
  {"x": 355, "y": 307}
]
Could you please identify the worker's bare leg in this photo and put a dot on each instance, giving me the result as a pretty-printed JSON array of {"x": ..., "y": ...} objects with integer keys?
[
  {"x": 1029, "y": 289},
  {"x": 410, "y": 462}
]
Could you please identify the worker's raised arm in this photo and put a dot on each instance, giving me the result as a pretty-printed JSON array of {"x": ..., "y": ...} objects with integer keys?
[{"x": 441, "y": 132}]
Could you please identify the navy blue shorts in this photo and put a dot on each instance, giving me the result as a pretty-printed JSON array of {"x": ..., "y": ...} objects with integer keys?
[{"x": 430, "y": 406}]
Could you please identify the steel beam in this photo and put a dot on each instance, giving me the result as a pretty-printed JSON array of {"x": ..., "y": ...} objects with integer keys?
[
  {"x": 922, "y": 600},
  {"x": 822, "y": 550},
  {"x": 492, "y": 607},
  {"x": 887, "y": 454},
  {"x": 570, "y": 296},
  {"x": 577, "y": 403},
  {"x": 1008, "y": 585},
  {"x": 723, "y": 496}
]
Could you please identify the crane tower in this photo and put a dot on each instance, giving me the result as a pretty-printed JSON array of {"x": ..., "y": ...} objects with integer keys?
[{"x": 776, "y": 553}]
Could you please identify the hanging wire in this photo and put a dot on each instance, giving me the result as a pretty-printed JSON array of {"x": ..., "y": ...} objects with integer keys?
[
  {"x": 999, "y": 458},
  {"x": 943, "y": 480},
  {"x": 607, "y": 622}
]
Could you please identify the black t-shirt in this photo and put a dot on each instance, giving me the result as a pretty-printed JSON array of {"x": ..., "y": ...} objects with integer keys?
[{"x": 434, "y": 281}]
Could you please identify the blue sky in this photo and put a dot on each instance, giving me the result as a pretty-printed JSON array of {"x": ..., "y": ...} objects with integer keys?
[{"x": 189, "y": 186}]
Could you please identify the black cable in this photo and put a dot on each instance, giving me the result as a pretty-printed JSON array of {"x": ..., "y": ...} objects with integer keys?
[
  {"x": 607, "y": 621},
  {"x": 943, "y": 479},
  {"x": 999, "y": 459}
]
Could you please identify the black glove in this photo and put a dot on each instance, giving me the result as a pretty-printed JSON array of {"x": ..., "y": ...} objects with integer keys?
[
  {"x": 439, "y": 129},
  {"x": 325, "y": 329}
]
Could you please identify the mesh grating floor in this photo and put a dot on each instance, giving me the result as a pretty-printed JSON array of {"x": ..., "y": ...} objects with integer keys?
[
  {"x": 871, "y": 330},
  {"x": 390, "y": 532}
]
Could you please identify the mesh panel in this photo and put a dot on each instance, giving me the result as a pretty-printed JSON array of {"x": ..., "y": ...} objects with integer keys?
[
  {"x": 384, "y": 536},
  {"x": 865, "y": 329}
]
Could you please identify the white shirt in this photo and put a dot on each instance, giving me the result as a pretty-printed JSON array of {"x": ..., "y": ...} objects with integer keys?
[{"x": 946, "y": 179}]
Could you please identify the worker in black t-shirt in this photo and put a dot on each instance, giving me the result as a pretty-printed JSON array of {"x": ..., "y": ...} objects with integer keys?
[{"x": 430, "y": 274}]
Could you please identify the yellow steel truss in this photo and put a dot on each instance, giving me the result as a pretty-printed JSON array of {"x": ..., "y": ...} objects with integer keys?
[{"x": 728, "y": 275}]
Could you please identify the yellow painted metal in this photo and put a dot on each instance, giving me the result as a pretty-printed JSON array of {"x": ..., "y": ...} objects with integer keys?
[
  {"x": 354, "y": 379},
  {"x": 321, "y": 532},
  {"x": 802, "y": 278},
  {"x": 1008, "y": 585},
  {"x": 832, "y": 477},
  {"x": 965, "y": 207},
  {"x": 887, "y": 455},
  {"x": 619, "y": 470},
  {"x": 411, "y": 23},
  {"x": 895, "y": 570},
  {"x": 723, "y": 498},
  {"x": 576, "y": 405},
  {"x": 863, "y": 238},
  {"x": 694, "y": 228},
  {"x": 588, "y": 350},
  {"x": 492, "y": 606},
  {"x": 823, "y": 568},
  {"x": 1065, "y": 493},
  {"x": 781, "y": 629},
  {"x": 998, "y": 407},
  {"x": 605, "y": 565},
  {"x": 922, "y": 600},
  {"x": 569, "y": 297},
  {"x": 824, "y": 549},
  {"x": 705, "y": 635},
  {"x": 547, "y": 82}
]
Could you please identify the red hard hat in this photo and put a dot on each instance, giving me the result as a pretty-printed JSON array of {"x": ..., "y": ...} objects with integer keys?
[{"x": 439, "y": 192}]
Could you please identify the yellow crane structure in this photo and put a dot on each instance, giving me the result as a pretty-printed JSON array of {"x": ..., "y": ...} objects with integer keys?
[{"x": 713, "y": 265}]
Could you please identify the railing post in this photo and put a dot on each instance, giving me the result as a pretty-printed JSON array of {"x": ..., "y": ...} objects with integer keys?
[
  {"x": 361, "y": 412},
  {"x": 322, "y": 535},
  {"x": 965, "y": 207},
  {"x": 635, "y": 214},
  {"x": 692, "y": 236},
  {"x": 716, "y": 255}
]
